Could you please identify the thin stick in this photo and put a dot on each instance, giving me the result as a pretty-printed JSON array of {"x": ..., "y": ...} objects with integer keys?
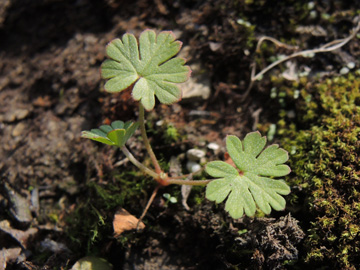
[
  {"x": 247, "y": 92},
  {"x": 146, "y": 140},
  {"x": 152, "y": 197},
  {"x": 276, "y": 42},
  {"x": 331, "y": 46}
]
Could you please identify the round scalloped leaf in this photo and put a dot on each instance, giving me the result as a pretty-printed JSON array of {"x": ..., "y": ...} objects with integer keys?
[
  {"x": 149, "y": 66},
  {"x": 115, "y": 134},
  {"x": 245, "y": 186}
]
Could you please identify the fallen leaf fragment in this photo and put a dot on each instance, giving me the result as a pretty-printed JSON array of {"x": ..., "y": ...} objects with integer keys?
[
  {"x": 42, "y": 101},
  {"x": 175, "y": 170},
  {"x": 185, "y": 192},
  {"x": 124, "y": 221}
]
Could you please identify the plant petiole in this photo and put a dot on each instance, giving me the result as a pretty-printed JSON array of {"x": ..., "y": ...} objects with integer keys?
[
  {"x": 139, "y": 164},
  {"x": 146, "y": 140},
  {"x": 171, "y": 181}
]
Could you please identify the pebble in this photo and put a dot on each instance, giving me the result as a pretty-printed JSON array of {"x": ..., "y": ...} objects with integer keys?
[
  {"x": 213, "y": 146},
  {"x": 18, "y": 129},
  {"x": 198, "y": 85},
  {"x": 53, "y": 246},
  {"x": 215, "y": 46},
  {"x": 195, "y": 154},
  {"x": 160, "y": 123},
  {"x": 291, "y": 114},
  {"x": 192, "y": 166},
  {"x": 19, "y": 205},
  {"x": 351, "y": 65},
  {"x": 18, "y": 114},
  {"x": 271, "y": 132},
  {"x": 344, "y": 71}
]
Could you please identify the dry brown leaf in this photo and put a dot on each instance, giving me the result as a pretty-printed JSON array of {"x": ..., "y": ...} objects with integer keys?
[
  {"x": 42, "y": 101},
  {"x": 124, "y": 221}
]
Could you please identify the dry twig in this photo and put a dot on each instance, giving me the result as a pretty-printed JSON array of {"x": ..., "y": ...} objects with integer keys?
[{"x": 331, "y": 46}]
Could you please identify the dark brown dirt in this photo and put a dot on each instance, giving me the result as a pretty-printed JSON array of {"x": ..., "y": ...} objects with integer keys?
[{"x": 50, "y": 90}]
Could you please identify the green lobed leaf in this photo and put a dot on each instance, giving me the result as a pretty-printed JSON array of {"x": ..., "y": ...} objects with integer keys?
[
  {"x": 115, "y": 134},
  {"x": 150, "y": 66},
  {"x": 247, "y": 185}
]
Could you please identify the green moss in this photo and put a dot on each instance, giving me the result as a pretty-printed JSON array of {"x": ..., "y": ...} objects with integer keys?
[
  {"x": 171, "y": 134},
  {"x": 91, "y": 220},
  {"x": 197, "y": 196},
  {"x": 326, "y": 168}
]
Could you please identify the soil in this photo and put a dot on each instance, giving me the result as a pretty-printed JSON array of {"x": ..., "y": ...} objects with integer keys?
[{"x": 53, "y": 181}]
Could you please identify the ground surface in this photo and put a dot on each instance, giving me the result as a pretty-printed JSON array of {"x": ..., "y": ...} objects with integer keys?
[{"x": 58, "y": 192}]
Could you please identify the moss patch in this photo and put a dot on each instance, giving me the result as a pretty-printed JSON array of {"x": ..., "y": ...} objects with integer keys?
[
  {"x": 325, "y": 163},
  {"x": 91, "y": 220}
]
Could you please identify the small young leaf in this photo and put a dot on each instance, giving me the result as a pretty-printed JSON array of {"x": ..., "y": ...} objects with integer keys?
[
  {"x": 117, "y": 134},
  {"x": 150, "y": 66},
  {"x": 246, "y": 185}
]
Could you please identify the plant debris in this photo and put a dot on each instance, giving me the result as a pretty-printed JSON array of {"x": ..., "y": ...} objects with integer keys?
[{"x": 124, "y": 221}]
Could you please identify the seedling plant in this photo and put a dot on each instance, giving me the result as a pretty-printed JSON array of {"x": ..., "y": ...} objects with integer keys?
[{"x": 150, "y": 67}]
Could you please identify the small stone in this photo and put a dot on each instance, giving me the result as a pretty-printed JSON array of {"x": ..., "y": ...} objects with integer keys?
[
  {"x": 215, "y": 46},
  {"x": 193, "y": 166},
  {"x": 213, "y": 146},
  {"x": 271, "y": 132},
  {"x": 18, "y": 114},
  {"x": 18, "y": 129},
  {"x": 311, "y": 5},
  {"x": 291, "y": 114},
  {"x": 159, "y": 123},
  {"x": 53, "y": 246},
  {"x": 344, "y": 71},
  {"x": 198, "y": 85},
  {"x": 313, "y": 14},
  {"x": 19, "y": 206},
  {"x": 296, "y": 94},
  {"x": 195, "y": 154},
  {"x": 90, "y": 39},
  {"x": 351, "y": 65}
]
